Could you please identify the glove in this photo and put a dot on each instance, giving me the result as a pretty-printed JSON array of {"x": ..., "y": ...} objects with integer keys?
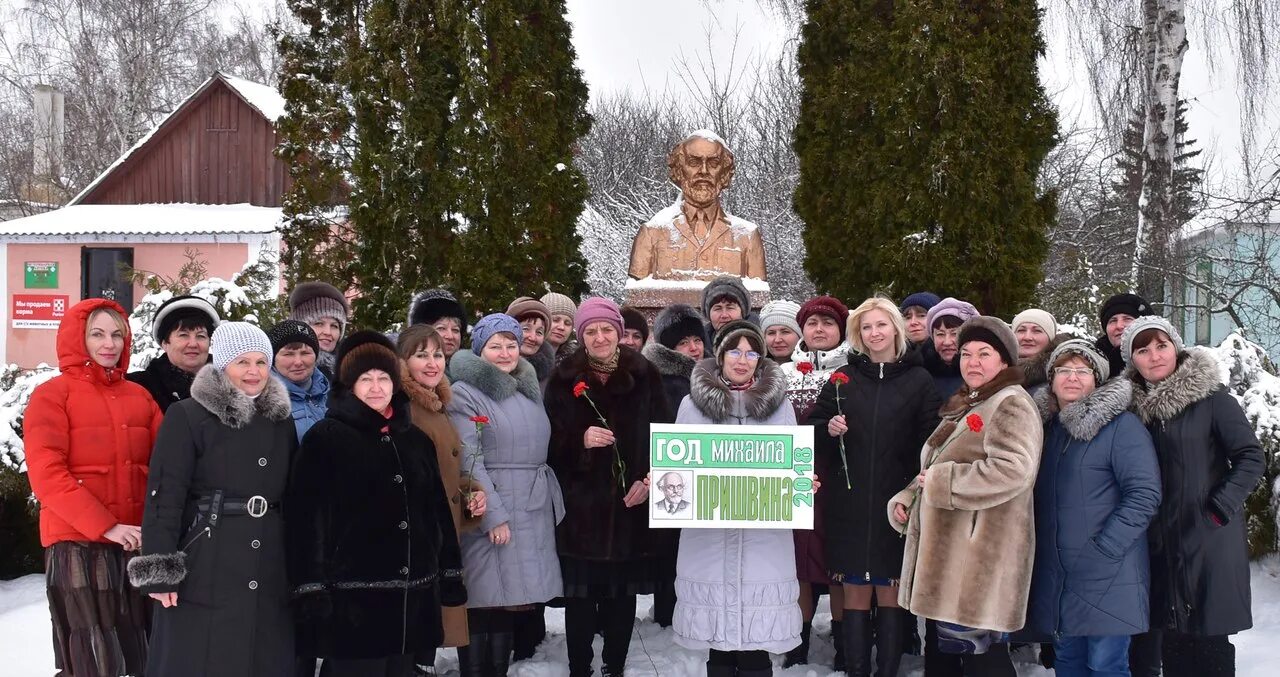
[
  {"x": 453, "y": 592},
  {"x": 314, "y": 606}
]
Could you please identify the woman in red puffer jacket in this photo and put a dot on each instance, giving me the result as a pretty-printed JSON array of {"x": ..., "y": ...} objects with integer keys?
[{"x": 88, "y": 434}]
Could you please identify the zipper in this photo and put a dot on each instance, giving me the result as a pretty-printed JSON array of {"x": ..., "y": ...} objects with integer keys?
[
  {"x": 871, "y": 469},
  {"x": 1062, "y": 580}
]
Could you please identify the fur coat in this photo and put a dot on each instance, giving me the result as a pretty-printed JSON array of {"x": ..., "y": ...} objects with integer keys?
[
  {"x": 676, "y": 369},
  {"x": 970, "y": 534}
]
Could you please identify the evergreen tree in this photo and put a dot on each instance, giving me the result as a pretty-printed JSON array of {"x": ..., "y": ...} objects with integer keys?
[
  {"x": 521, "y": 110},
  {"x": 922, "y": 128}
]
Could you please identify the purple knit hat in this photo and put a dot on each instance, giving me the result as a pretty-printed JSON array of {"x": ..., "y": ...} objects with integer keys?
[
  {"x": 596, "y": 309},
  {"x": 950, "y": 306}
]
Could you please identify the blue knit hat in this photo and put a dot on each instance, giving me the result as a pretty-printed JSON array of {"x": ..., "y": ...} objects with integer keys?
[
  {"x": 923, "y": 299},
  {"x": 489, "y": 325}
]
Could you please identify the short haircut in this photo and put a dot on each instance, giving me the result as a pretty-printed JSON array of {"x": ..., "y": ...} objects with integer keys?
[
  {"x": 185, "y": 319},
  {"x": 1146, "y": 337},
  {"x": 418, "y": 337},
  {"x": 946, "y": 322}
]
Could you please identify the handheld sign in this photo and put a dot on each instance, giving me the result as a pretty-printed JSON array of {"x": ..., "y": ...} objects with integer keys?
[{"x": 730, "y": 476}]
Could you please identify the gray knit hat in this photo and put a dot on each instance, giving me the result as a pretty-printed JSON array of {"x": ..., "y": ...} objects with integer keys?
[
  {"x": 1142, "y": 324},
  {"x": 780, "y": 312},
  {"x": 1084, "y": 349},
  {"x": 559, "y": 304},
  {"x": 233, "y": 339},
  {"x": 311, "y": 301}
]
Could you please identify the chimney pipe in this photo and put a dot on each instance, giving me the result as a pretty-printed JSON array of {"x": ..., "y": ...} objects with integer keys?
[{"x": 49, "y": 131}]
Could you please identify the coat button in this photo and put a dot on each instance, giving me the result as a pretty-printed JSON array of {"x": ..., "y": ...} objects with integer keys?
[
  {"x": 404, "y": 525},
  {"x": 455, "y": 453},
  {"x": 253, "y": 585},
  {"x": 398, "y": 479},
  {"x": 456, "y": 498},
  {"x": 262, "y": 462},
  {"x": 404, "y": 571},
  {"x": 256, "y": 544},
  {"x": 386, "y": 438}
]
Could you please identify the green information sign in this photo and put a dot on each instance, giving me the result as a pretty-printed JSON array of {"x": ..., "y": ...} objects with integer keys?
[
  {"x": 731, "y": 476},
  {"x": 40, "y": 274}
]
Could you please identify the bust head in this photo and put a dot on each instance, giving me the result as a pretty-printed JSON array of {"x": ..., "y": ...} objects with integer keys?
[{"x": 701, "y": 166}]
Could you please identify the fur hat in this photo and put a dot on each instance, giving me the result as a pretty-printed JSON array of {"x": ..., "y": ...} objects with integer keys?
[
  {"x": 181, "y": 310},
  {"x": 920, "y": 299},
  {"x": 828, "y": 306},
  {"x": 433, "y": 304},
  {"x": 992, "y": 331},
  {"x": 559, "y": 304},
  {"x": 780, "y": 313},
  {"x": 1084, "y": 349},
  {"x": 595, "y": 309},
  {"x": 726, "y": 287},
  {"x": 1129, "y": 304},
  {"x": 634, "y": 319},
  {"x": 527, "y": 305},
  {"x": 363, "y": 351},
  {"x": 676, "y": 322},
  {"x": 1037, "y": 317},
  {"x": 950, "y": 307},
  {"x": 494, "y": 323},
  {"x": 311, "y": 301},
  {"x": 286, "y": 332},
  {"x": 732, "y": 332},
  {"x": 233, "y": 339},
  {"x": 1142, "y": 324}
]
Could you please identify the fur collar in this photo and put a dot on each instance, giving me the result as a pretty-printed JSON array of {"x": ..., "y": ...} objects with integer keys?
[
  {"x": 714, "y": 399},
  {"x": 631, "y": 370},
  {"x": 1035, "y": 369},
  {"x": 1196, "y": 378},
  {"x": 669, "y": 362},
  {"x": 966, "y": 398},
  {"x": 213, "y": 391},
  {"x": 431, "y": 399},
  {"x": 467, "y": 367},
  {"x": 823, "y": 360},
  {"x": 1085, "y": 418},
  {"x": 543, "y": 361}
]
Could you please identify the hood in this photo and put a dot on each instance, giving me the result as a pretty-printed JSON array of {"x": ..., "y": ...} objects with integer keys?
[
  {"x": 73, "y": 355},
  {"x": 1084, "y": 419},
  {"x": 822, "y": 360},
  {"x": 467, "y": 367},
  {"x": 669, "y": 362},
  {"x": 212, "y": 390},
  {"x": 711, "y": 395},
  {"x": 1196, "y": 378}
]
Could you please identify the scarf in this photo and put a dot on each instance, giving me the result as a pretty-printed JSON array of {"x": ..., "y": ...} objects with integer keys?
[
  {"x": 732, "y": 386},
  {"x": 967, "y": 398},
  {"x": 604, "y": 367}
]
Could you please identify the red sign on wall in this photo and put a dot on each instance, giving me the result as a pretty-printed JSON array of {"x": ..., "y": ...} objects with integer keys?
[{"x": 38, "y": 311}]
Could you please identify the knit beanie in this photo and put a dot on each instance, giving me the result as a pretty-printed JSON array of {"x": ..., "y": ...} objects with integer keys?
[
  {"x": 1142, "y": 324},
  {"x": 433, "y": 304},
  {"x": 311, "y": 301},
  {"x": 233, "y": 339},
  {"x": 1129, "y": 304},
  {"x": 828, "y": 306},
  {"x": 950, "y": 307},
  {"x": 1037, "y": 317},
  {"x": 992, "y": 331},
  {"x": 559, "y": 304},
  {"x": 494, "y": 323},
  {"x": 920, "y": 299},
  {"x": 732, "y": 332},
  {"x": 286, "y": 332},
  {"x": 1085, "y": 349},
  {"x": 780, "y": 313},
  {"x": 634, "y": 319},
  {"x": 181, "y": 310},
  {"x": 726, "y": 287},
  {"x": 676, "y": 322},
  {"x": 365, "y": 351},
  {"x": 527, "y": 306},
  {"x": 596, "y": 309}
]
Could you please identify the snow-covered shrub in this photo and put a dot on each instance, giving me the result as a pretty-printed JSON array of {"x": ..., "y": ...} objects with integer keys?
[
  {"x": 19, "y": 535},
  {"x": 17, "y": 387}
]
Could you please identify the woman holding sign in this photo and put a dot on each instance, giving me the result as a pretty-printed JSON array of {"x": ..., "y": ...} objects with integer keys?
[
  {"x": 886, "y": 389},
  {"x": 736, "y": 589}
]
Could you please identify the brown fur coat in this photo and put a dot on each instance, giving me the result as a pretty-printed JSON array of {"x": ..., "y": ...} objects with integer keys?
[{"x": 971, "y": 540}]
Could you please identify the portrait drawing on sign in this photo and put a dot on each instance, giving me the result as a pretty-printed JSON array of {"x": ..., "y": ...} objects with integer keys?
[{"x": 673, "y": 494}]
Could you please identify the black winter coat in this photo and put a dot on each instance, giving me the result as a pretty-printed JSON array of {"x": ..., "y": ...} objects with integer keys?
[
  {"x": 166, "y": 383},
  {"x": 891, "y": 409},
  {"x": 1210, "y": 461},
  {"x": 597, "y": 526},
  {"x": 372, "y": 547},
  {"x": 946, "y": 376},
  {"x": 232, "y": 616},
  {"x": 676, "y": 369}
]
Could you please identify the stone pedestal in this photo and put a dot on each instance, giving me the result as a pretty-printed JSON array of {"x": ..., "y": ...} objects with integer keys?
[{"x": 650, "y": 295}]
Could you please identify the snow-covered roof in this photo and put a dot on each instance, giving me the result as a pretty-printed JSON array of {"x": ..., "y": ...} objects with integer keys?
[
  {"x": 264, "y": 99},
  {"x": 147, "y": 219}
]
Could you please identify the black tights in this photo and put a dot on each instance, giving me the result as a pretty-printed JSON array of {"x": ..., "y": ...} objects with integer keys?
[
  {"x": 742, "y": 660},
  {"x": 1182, "y": 655},
  {"x": 616, "y": 616}
]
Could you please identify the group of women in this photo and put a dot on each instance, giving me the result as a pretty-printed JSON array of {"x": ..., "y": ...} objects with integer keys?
[{"x": 307, "y": 494}]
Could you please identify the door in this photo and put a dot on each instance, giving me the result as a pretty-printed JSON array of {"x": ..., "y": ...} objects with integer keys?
[{"x": 105, "y": 274}]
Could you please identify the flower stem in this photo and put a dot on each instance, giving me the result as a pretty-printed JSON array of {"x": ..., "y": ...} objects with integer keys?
[{"x": 843, "y": 458}]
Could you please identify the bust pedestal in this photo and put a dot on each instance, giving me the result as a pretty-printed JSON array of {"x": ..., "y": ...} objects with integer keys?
[{"x": 651, "y": 295}]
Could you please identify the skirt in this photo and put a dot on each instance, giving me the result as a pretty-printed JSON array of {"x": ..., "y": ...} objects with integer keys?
[
  {"x": 594, "y": 579},
  {"x": 100, "y": 622}
]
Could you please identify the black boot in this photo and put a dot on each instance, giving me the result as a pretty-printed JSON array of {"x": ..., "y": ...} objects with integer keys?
[
  {"x": 800, "y": 654},
  {"x": 473, "y": 659},
  {"x": 837, "y": 641},
  {"x": 530, "y": 628},
  {"x": 856, "y": 636},
  {"x": 500, "y": 653},
  {"x": 714, "y": 670},
  {"x": 891, "y": 626},
  {"x": 764, "y": 672}
]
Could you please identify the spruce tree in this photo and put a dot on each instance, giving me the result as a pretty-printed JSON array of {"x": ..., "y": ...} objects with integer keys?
[
  {"x": 922, "y": 128},
  {"x": 521, "y": 110}
]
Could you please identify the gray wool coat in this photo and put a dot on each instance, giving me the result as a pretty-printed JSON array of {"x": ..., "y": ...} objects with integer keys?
[
  {"x": 510, "y": 462},
  {"x": 736, "y": 589}
]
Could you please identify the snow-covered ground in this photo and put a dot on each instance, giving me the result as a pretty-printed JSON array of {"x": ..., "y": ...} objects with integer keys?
[{"x": 27, "y": 651}]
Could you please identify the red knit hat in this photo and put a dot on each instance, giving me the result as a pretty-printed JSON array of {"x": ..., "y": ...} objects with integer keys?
[{"x": 829, "y": 306}]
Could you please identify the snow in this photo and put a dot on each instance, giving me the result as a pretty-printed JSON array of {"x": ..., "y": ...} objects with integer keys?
[
  {"x": 753, "y": 284},
  {"x": 709, "y": 135},
  {"x": 13, "y": 401},
  {"x": 667, "y": 219},
  {"x": 267, "y": 100},
  {"x": 28, "y": 650},
  {"x": 147, "y": 219}
]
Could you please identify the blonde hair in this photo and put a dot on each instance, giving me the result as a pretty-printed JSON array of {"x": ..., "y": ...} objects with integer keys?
[
  {"x": 115, "y": 317},
  {"x": 852, "y": 329}
]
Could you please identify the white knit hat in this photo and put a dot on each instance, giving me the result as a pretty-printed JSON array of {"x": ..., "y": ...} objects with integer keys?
[
  {"x": 1142, "y": 324},
  {"x": 1037, "y": 317},
  {"x": 233, "y": 339},
  {"x": 780, "y": 313}
]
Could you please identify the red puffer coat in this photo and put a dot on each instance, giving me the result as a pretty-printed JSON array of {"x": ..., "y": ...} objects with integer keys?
[{"x": 88, "y": 434}]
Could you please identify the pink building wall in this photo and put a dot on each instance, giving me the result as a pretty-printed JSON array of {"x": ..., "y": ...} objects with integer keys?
[{"x": 29, "y": 347}]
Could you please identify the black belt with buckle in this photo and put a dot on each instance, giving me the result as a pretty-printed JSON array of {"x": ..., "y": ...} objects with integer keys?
[{"x": 215, "y": 505}]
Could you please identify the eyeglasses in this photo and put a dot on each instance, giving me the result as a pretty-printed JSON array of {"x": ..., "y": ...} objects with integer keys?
[
  {"x": 1069, "y": 371},
  {"x": 738, "y": 354}
]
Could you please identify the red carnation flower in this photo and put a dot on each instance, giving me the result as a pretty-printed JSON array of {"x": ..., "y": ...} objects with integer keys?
[
  {"x": 839, "y": 378},
  {"x": 580, "y": 389},
  {"x": 975, "y": 422},
  {"x": 482, "y": 420},
  {"x": 805, "y": 368}
]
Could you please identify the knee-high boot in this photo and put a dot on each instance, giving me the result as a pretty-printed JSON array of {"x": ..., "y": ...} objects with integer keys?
[
  {"x": 891, "y": 626},
  {"x": 800, "y": 654},
  {"x": 856, "y": 631}
]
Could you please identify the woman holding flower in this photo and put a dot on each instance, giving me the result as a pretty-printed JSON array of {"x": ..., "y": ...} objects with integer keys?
[
  {"x": 968, "y": 516},
  {"x": 886, "y": 389},
  {"x": 601, "y": 400},
  {"x": 509, "y": 564}
]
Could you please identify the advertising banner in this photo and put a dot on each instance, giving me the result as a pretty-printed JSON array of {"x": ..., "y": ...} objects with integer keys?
[{"x": 38, "y": 311}]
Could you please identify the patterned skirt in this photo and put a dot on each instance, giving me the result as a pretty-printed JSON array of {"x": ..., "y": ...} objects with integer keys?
[{"x": 100, "y": 622}]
